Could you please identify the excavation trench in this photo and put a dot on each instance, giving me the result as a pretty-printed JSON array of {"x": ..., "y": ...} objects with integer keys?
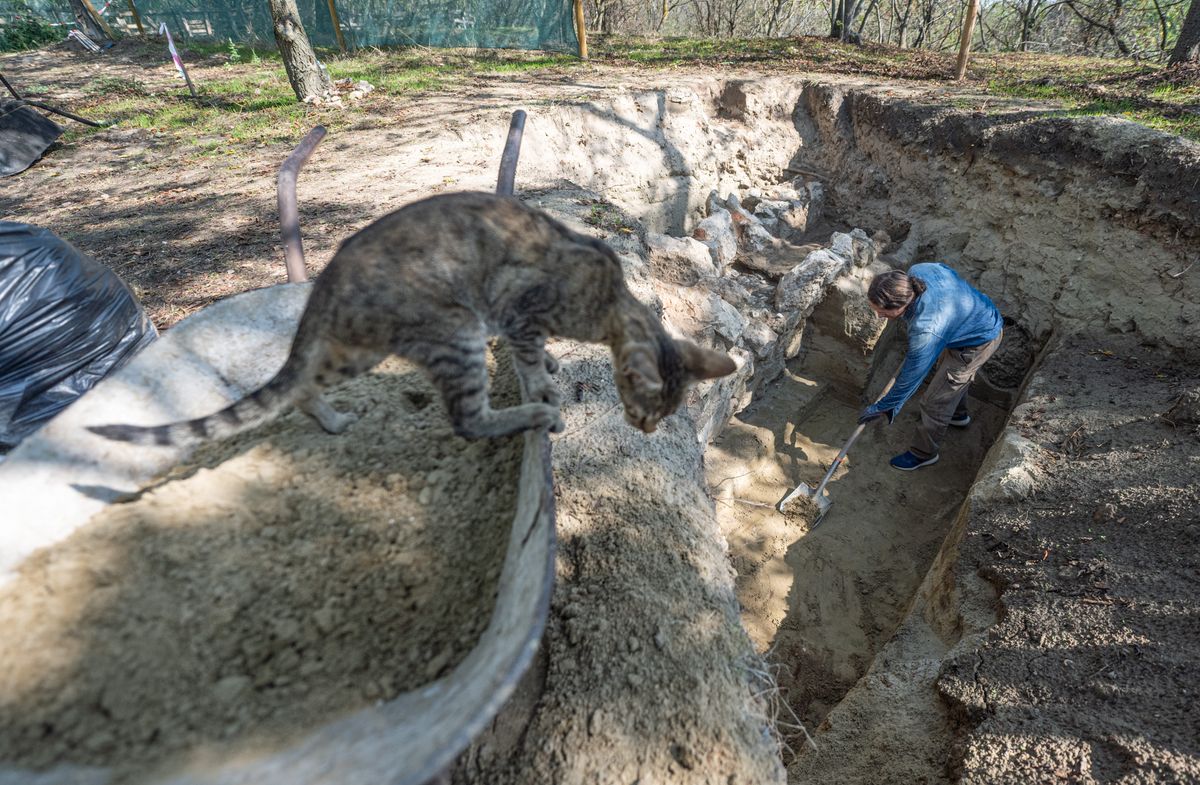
[{"x": 821, "y": 602}]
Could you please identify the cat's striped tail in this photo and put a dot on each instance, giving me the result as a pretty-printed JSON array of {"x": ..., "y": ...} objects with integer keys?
[{"x": 257, "y": 407}]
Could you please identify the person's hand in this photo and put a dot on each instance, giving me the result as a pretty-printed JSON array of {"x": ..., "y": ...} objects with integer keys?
[{"x": 868, "y": 414}]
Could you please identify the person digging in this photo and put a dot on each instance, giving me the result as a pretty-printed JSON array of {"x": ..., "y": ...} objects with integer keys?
[{"x": 946, "y": 314}]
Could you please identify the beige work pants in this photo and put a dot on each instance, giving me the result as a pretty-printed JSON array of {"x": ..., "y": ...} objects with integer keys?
[{"x": 946, "y": 395}]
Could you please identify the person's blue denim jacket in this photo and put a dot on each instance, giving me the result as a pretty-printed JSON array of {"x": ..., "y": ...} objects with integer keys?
[{"x": 950, "y": 314}]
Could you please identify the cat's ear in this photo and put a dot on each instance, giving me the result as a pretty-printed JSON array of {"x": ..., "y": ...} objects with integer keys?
[
  {"x": 701, "y": 363},
  {"x": 640, "y": 367}
]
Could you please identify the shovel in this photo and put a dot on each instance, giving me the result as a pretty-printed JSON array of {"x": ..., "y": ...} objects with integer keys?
[{"x": 820, "y": 496}]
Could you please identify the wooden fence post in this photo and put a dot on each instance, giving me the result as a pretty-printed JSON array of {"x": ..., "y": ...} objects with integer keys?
[
  {"x": 337, "y": 26},
  {"x": 580, "y": 30},
  {"x": 100, "y": 21},
  {"x": 964, "y": 46},
  {"x": 137, "y": 18}
]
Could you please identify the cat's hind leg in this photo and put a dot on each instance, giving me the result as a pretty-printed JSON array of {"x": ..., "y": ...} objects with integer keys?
[
  {"x": 336, "y": 362},
  {"x": 320, "y": 410}
]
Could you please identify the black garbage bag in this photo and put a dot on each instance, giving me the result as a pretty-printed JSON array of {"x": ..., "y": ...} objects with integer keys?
[
  {"x": 65, "y": 322},
  {"x": 24, "y": 136}
]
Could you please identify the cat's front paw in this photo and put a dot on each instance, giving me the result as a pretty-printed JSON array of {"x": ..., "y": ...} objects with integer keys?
[
  {"x": 551, "y": 363},
  {"x": 544, "y": 390},
  {"x": 548, "y": 417}
]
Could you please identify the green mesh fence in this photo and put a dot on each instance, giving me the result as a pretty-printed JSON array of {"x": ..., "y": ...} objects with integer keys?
[
  {"x": 498, "y": 24},
  {"x": 48, "y": 10}
]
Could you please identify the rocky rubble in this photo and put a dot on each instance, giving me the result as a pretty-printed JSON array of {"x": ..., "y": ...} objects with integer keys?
[{"x": 749, "y": 278}]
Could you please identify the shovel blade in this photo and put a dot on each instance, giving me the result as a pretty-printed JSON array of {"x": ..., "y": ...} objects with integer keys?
[{"x": 803, "y": 489}]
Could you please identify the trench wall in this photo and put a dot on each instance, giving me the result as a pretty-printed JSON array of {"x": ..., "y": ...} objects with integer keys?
[{"x": 1082, "y": 222}]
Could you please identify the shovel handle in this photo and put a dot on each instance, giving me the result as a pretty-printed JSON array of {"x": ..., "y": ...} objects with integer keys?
[
  {"x": 857, "y": 432},
  {"x": 801, "y": 488},
  {"x": 841, "y": 457}
]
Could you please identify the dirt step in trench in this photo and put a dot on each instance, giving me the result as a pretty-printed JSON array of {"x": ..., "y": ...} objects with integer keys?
[{"x": 823, "y": 601}]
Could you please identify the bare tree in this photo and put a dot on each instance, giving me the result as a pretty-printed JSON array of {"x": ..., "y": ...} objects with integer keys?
[
  {"x": 902, "y": 21},
  {"x": 779, "y": 12},
  {"x": 1103, "y": 19},
  {"x": 1187, "y": 46},
  {"x": 866, "y": 14},
  {"x": 1029, "y": 16},
  {"x": 842, "y": 15},
  {"x": 308, "y": 79},
  {"x": 934, "y": 24}
]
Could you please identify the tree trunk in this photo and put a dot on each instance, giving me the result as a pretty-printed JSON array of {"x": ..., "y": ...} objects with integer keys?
[
  {"x": 964, "y": 44},
  {"x": 88, "y": 24},
  {"x": 299, "y": 59},
  {"x": 1025, "y": 14},
  {"x": 1187, "y": 46}
]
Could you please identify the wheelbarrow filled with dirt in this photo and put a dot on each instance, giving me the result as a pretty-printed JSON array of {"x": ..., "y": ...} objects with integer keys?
[{"x": 283, "y": 606}]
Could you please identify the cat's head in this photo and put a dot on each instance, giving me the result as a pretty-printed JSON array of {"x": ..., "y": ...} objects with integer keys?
[{"x": 652, "y": 377}]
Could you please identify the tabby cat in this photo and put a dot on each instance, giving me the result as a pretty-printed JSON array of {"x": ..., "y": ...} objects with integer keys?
[{"x": 430, "y": 282}]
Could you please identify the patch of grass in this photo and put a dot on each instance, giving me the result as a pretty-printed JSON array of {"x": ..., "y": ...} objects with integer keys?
[
  {"x": 259, "y": 90},
  {"x": 1164, "y": 107},
  {"x": 394, "y": 76},
  {"x": 36, "y": 89},
  {"x": 250, "y": 53},
  {"x": 607, "y": 216},
  {"x": 112, "y": 85},
  {"x": 252, "y": 108},
  {"x": 1185, "y": 125},
  {"x": 533, "y": 64},
  {"x": 1177, "y": 93}
]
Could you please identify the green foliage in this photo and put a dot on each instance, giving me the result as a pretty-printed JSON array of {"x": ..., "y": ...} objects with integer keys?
[
  {"x": 606, "y": 215},
  {"x": 25, "y": 31},
  {"x": 234, "y": 56}
]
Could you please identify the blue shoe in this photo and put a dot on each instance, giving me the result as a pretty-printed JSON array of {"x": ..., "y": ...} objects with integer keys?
[{"x": 906, "y": 462}]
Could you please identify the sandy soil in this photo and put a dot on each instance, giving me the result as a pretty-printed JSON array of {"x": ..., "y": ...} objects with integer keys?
[
  {"x": 277, "y": 580},
  {"x": 1090, "y": 673}
]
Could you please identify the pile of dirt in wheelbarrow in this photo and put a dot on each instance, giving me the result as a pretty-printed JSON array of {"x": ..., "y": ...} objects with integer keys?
[{"x": 276, "y": 581}]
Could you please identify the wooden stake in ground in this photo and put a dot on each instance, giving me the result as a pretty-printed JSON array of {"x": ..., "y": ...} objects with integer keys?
[
  {"x": 337, "y": 26},
  {"x": 308, "y": 79},
  {"x": 964, "y": 45},
  {"x": 163, "y": 30},
  {"x": 137, "y": 18},
  {"x": 580, "y": 30}
]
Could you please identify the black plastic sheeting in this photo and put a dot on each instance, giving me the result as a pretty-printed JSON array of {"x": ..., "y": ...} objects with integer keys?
[
  {"x": 24, "y": 136},
  {"x": 65, "y": 322}
]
